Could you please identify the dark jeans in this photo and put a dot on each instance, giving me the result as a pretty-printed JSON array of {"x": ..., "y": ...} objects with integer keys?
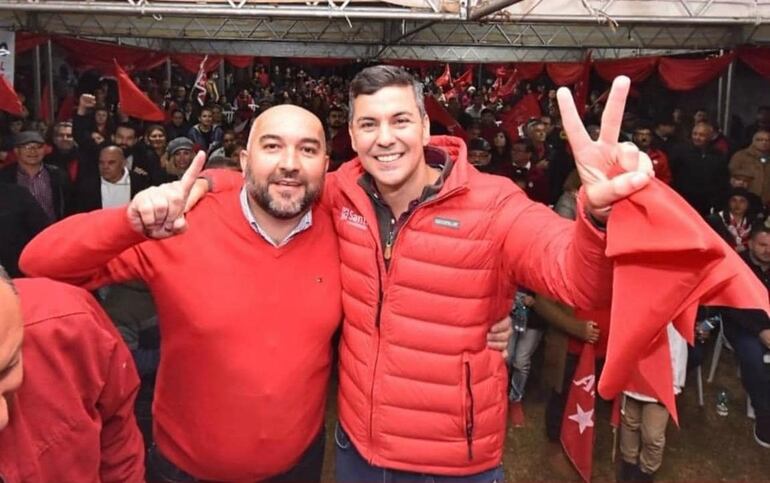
[
  {"x": 351, "y": 467},
  {"x": 755, "y": 373},
  {"x": 308, "y": 470}
]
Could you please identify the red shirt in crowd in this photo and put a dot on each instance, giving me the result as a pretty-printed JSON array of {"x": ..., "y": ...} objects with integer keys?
[{"x": 72, "y": 419}]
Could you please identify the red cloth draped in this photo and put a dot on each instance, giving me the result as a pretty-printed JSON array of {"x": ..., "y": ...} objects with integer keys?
[
  {"x": 758, "y": 58},
  {"x": 526, "y": 108},
  {"x": 667, "y": 261},
  {"x": 133, "y": 101},
  {"x": 637, "y": 69},
  {"x": 240, "y": 61},
  {"x": 192, "y": 62},
  {"x": 9, "y": 100},
  {"x": 529, "y": 70},
  {"x": 100, "y": 55},
  {"x": 577, "y": 427},
  {"x": 26, "y": 41},
  {"x": 439, "y": 115},
  {"x": 565, "y": 73},
  {"x": 688, "y": 74}
]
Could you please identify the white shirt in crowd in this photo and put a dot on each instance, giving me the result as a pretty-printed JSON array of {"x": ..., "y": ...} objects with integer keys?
[
  {"x": 118, "y": 193},
  {"x": 678, "y": 348}
]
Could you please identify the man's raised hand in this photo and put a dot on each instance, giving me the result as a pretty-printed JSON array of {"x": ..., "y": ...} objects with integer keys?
[
  {"x": 599, "y": 162},
  {"x": 158, "y": 212}
]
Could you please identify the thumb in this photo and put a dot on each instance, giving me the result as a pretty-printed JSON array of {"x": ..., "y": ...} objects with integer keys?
[{"x": 180, "y": 225}]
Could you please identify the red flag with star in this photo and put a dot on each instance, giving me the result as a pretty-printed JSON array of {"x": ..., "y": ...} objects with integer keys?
[{"x": 577, "y": 427}]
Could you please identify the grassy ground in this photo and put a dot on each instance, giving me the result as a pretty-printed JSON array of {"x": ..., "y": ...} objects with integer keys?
[{"x": 706, "y": 447}]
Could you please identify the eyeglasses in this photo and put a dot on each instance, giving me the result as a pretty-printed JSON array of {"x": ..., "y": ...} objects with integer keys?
[{"x": 31, "y": 147}]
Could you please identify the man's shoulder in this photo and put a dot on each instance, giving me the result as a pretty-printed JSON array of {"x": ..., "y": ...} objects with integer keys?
[{"x": 45, "y": 301}]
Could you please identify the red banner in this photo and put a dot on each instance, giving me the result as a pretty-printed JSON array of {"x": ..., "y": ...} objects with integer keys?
[
  {"x": 577, "y": 427},
  {"x": 192, "y": 62},
  {"x": 688, "y": 74},
  {"x": 637, "y": 69},
  {"x": 757, "y": 58}
]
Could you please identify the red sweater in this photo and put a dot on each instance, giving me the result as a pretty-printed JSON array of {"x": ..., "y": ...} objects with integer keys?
[
  {"x": 245, "y": 329},
  {"x": 73, "y": 417}
]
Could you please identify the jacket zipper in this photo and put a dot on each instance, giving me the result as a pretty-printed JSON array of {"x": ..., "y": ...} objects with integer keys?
[{"x": 469, "y": 410}]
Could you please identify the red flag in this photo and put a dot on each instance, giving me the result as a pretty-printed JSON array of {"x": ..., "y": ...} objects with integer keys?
[
  {"x": 577, "y": 427},
  {"x": 465, "y": 79},
  {"x": 666, "y": 261},
  {"x": 45, "y": 105},
  {"x": 200, "y": 82},
  {"x": 133, "y": 102},
  {"x": 509, "y": 86},
  {"x": 581, "y": 86},
  {"x": 444, "y": 79},
  {"x": 66, "y": 108},
  {"x": 526, "y": 108},
  {"x": 437, "y": 113},
  {"x": 9, "y": 100}
]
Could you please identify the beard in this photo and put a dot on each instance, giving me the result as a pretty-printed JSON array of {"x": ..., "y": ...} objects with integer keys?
[{"x": 280, "y": 207}]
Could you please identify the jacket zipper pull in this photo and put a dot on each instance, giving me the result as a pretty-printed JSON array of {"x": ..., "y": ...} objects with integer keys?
[{"x": 389, "y": 243}]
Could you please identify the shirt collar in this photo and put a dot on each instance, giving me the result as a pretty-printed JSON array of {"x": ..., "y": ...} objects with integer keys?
[{"x": 304, "y": 223}]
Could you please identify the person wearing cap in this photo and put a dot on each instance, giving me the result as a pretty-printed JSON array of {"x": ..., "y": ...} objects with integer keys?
[
  {"x": 754, "y": 162},
  {"x": 180, "y": 155},
  {"x": 113, "y": 185},
  {"x": 47, "y": 183},
  {"x": 480, "y": 155}
]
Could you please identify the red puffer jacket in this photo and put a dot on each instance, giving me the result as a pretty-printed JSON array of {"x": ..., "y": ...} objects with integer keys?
[{"x": 419, "y": 389}]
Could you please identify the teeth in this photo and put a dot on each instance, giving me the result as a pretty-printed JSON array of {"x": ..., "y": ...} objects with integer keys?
[{"x": 388, "y": 158}]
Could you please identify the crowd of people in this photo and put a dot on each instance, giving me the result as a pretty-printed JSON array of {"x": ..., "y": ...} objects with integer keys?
[{"x": 205, "y": 426}]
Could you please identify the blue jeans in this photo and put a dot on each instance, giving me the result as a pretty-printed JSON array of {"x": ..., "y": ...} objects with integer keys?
[
  {"x": 351, "y": 467},
  {"x": 755, "y": 373}
]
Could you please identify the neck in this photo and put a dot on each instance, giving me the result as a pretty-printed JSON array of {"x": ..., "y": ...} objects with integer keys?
[
  {"x": 276, "y": 228},
  {"x": 399, "y": 197},
  {"x": 30, "y": 169},
  {"x": 204, "y": 128}
]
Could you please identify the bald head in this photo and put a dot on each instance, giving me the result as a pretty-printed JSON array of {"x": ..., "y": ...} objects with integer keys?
[
  {"x": 11, "y": 332},
  {"x": 291, "y": 116},
  {"x": 112, "y": 163}
]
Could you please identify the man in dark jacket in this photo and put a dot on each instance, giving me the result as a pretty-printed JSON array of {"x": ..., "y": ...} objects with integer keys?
[
  {"x": 21, "y": 218},
  {"x": 699, "y": 171},
  {"x": 749, "y": 333},
  {"x": 64, "y": 155},
  {"x": 114, "y": 185},
  {"x": 47, "y": 183}
]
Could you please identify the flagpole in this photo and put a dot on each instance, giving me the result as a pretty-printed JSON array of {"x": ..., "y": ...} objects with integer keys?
[
  {"x": 36, "y": 82},
  {"x": 51, "y": 97}
]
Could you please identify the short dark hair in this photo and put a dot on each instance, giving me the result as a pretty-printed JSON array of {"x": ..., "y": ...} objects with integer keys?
[
  {"x": 7, "y": 279},
  {"x": 758, "y": 229},
  {"x": 127, "y": 125},
  {"x": 372, "y": 79}
]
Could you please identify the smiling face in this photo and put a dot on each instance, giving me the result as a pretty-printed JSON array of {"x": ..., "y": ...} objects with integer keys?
[
  {"x": 285, "y": 162},
  {"x": 389, "y": 133}
]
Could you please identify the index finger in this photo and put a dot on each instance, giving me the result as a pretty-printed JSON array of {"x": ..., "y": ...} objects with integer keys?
[
  {"x": 612, "y": 117},
  {"x": 573, "y": 126},
  {"x": 195, "y": 168}
]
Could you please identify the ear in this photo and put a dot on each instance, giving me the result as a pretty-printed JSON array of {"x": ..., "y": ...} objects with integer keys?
[
  {"x": 425, "y": 130},
  {"x": 353, "y": 143},
  {"x": 244, "y": 155}
]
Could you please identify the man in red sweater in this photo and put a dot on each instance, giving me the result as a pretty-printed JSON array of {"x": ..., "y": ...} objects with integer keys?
[
  {"x": 241, "y": 386},
  {"x": 68, "y": 413}
]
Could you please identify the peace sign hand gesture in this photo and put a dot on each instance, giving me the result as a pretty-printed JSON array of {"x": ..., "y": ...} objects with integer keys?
[
  {"x": 609, "y": 170},
  {"x": 158, "y": 212}
]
